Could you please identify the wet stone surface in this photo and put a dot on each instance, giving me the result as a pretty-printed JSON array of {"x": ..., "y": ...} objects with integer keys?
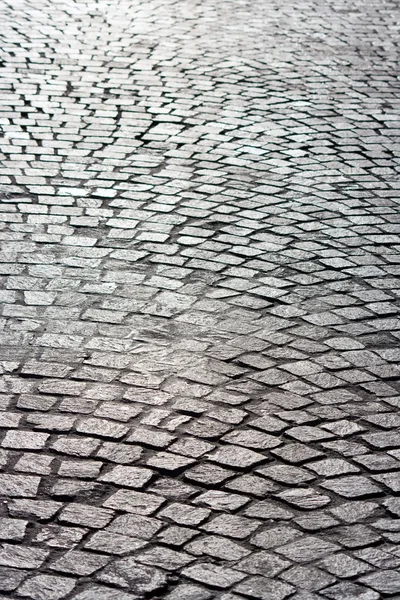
[{"x": 199, "y": 295}]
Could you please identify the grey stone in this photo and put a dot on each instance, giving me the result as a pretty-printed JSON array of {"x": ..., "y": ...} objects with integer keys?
[
  {"x": 166, "y": 462},
  {"x": 12, "y": 529},
  {"x": 135, "y": 502},
  {"x": 384, "y": 582},
  {"x": 265, "y": 589},
  {"x": 47, "y": 587},
  {"x": 101, "y": 592},
  {"x": 127, "y": 476},
  {"x": 11, "y": 578},
  {"x": 308, "y": 578},
  {"x": 352, "y": 486},
  {"x": 306, "y": 498},
  {"x": 86, "y": 515},
  {"x": 275, "y": 536},
  {"x": 57, "y": 536},
  {"x": 113, "y": 543},
  {"x": 24, "y": 557},
  {"x": 213, "y": 575},
  {"x": 343, "y": 565},
  {"x": 221, "y": 500},
  {"x": 349, "y": 591},
  {"x": 160, "y": 556},
  {"x": 231, "y": 526},
  {"x": 189, "y": 592},
  {"x": 218, "y": 547},
  {"x": 185, "y": 514},
  {"x": 19, "y": 486},
  {"x": 79, "y": 563},
  {"x": 263, "y": 563},
  {"x": 139, "y": 579},
  {"x": 236, "y": 457},
  {"x": 41, "y": 509},
  {"x": 307, "y": 548}
]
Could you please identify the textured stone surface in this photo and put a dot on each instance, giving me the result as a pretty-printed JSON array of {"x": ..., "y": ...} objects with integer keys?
[
  {"x": 199, "y": 300},
  {"x": 47, "y": 587}
]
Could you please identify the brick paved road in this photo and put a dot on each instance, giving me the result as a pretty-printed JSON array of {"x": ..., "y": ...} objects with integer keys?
[{"x": 200, "y": 250}]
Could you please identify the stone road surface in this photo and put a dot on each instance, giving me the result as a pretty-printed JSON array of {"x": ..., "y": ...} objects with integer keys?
[{"x": 199, "y": 327}]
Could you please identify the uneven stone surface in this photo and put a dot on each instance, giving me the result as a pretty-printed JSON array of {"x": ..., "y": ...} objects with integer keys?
[{"x": 199, "y": 295}]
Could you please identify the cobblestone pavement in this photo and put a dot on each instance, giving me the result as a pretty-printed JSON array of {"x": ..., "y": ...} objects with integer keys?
[{"x": 199, "y": 228}]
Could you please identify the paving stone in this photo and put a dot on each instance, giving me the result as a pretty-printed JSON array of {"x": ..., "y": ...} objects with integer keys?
[
  {"x": 265, "y": 589},
  {"x": 378, "y": 558},
  {"x": 102, "y": 428},
  {"x": 29, "y": 440},
  {"x": 119, "y": 453},
  {"x": 189, "y": 592},
  {"x": 217, "y": 500},
  {"x": 135, "y": 526},
  {"x": 306, "y": 433},
  {"x": 384, "y": 582},
  {"x": 22, "y": 557},
  {"x": 235, "y": 456},
  {"x": 208, "y": 474},
  {"x": 166, "y": 462},
  {"x": 276, "y": 536},
  {"x": 58, "y": 536},
  {"x": 297, "y": 453},
  {"x": 175, "y": 536},
  {"x": 315, "y": 521},
  {"x": 33, "y": 463},
  {"x": 331, "y": 467},
  {"x": 80, "y": 563},
  {"x": 353, "y": 487},
  {"x": 263, "y": 563},
  {"x": 113, "y": 543},
  {"x": 286, "y": 474},
  {"x": 351, "y": 512},
  {"x": 101, "y": 592},
  {"x": 172, "y": 488},
  {"x": 12, "y": 529},
  {"x": 268, "y": 510},
  {"x": 88, "y": 516},
  {"x": 377, "y": 462},
  {"x": 251, "y": 484},
  {"x": 342, "y": 565},
  {"x": 308, "y": 578},
  {"x": 46, "y": 587},
  {"x": 304, "y": 498},
  {"x": 349, "y": 591},
  {"x": 393, "y": 505},
  {"x": 19, "y": 485},
  {"x": 135, "y": 502},
  {"x": 139, "y": 579},
  {"x": 390, "y": 480},
  {"x": 164, "y": 557},
  {"x": 127, "y": 476},
  {"x": 41, "y": 509},
  {"x": 11, "y": 578},
  {"x": 213, "y": 575},
  {"x": 218, "y": 547},
  {"x": 254, "y": 439},
  {"x": 185, "y": 514},
  {"x": 355, "y": 536},
  {"x": 231, "y": 526},
  {"x": 306, "y": 549}
]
